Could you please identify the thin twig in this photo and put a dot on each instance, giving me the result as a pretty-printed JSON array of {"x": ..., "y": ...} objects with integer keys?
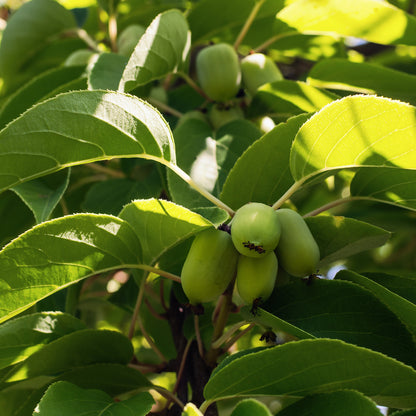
[
  {"x": 164, "y": 107},
  {"x": 168, "y": 395},
  {"x": 333, "y": 204},
  {"x": 272, "y": 40},
  {"x": 135, "y": 315},
  {"x": 198, "y": 336},
  {"x": 150, "y": 341},
  {"x": 237, "y": 337},
  {"x": 108, "y": 171},
  {"x": 227, "y": 335},
  {"x": 193, "y": 85},
  {"x": 153, "y": 311},
  {"x": 287, "y": 194},
  {"x": 83, "y": 35},
  {"x": 182, "y": 364},
  {"x": 248, "y": 23}
]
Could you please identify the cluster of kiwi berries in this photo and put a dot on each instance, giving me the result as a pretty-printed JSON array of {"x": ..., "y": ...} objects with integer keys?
[
  {"x": 220, "y": 73},
  {"x": 259, "y": 239}
]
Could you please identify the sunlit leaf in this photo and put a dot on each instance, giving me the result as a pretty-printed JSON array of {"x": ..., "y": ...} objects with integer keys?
[
  {"x": 161, "y": 50},
  {"x": 353, "y": 132},
  {"x": 80, "y": 127},
  {"x": 312, "y": 366},
  {"x": 21, "y": 337},
  {"x": 363, "y": 77},
  {"x": 57, "y": 253},
  {"x": 161, "y": 225},
  {"x": 371, "y": 20}
]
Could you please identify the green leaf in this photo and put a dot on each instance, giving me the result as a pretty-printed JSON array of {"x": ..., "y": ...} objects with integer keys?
[
  {"x": 404, "y": 286},
  {"x": 341, "y": 237},
  {"x": 345, "y": 311},
  {"x": 273, "y": 322},
  {"x": 342, "y": 74},
  {"x": 161, "y": 50},
  {"x": 263, "y": 169},
  {"x": 42, "y": 195},
  {"x": 356, "y": 131},
  {"x": 250, "y": 407},
  {"x": 109, "y": 197},
  {"x": 160, "y": 225},
  {"x": 79, "y": 348},
  {"x": 80, "y": 127},
  {"x": 29, "y": 29},
  {"x": 106, "y": 72},
  {"x": 288, "y": 98},
  {"x": 404, "y": 309},
  {"x": 338, "y": 403},
  {"x": 210, "y": 17},
  {"x": 67, "y": 399},
  {"x": 57, "y": 253},
  {"x": 371, "y": 20},
  {"x": 114, "y": 379},
  {"x": 206, "y": 159},
  {"x": 36, "y": 90},
  {"x": 392, "y": 186},
  {"x": 306, "y": 367},
  {"x": 411, "y": 412},
  {"x": 21, "y": 337}
]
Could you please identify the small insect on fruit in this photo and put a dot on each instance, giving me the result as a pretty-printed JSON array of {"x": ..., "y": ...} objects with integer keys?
[
  {"x": 209, "y": 267},
  {"x": 255, "y": 229}
]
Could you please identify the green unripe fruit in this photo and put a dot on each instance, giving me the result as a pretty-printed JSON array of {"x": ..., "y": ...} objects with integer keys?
[
  {"x": 297, "y": 251},
  {"x": 128, "y": 39},
  {"x": 218, "y": 71},
  {"x": 209, "y": 267},
  {"x": 256, "y": 277},
  {"x": 255, "y": 229},
  {"x": 219, "y": 115},
  {"x": 258, "y": 69}
]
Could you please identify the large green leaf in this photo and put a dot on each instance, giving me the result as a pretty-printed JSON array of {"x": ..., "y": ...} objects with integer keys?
[
  {"x": 161, "y": 50},
  {"x": 404, "y": 309},
  {"x": 263, "y": 169},
  {"x": 341, "y": 74},
  {"x": 57, "y": 253},
  {"x": 356, "y": 131},
  {"x": 338, "y": 403},
  {"x": 21, "y": 337},
  {"x": 42, "y": 195},
  {"x": 392, "y": 186},
  {"x": 29, "y": 29},
  {"x": 210, "y": 17},
  {"x": 77, "y": 349},
  {"x": 160, "y": 225},
  {"x": 371, "y": 20},
  {"x": 342, "y": 310},
  {"x": 341, "y": 237},
  {"x": 106, "y": 72},
  {"x": 286, "y": 98},
  {"x": 80, "y": 127},
  {"x": 312, "y": 366},
  {"x": 36, "y": 90},
  {"x": 20, "y": 398},
  {"x": 67, "y": 399}
]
